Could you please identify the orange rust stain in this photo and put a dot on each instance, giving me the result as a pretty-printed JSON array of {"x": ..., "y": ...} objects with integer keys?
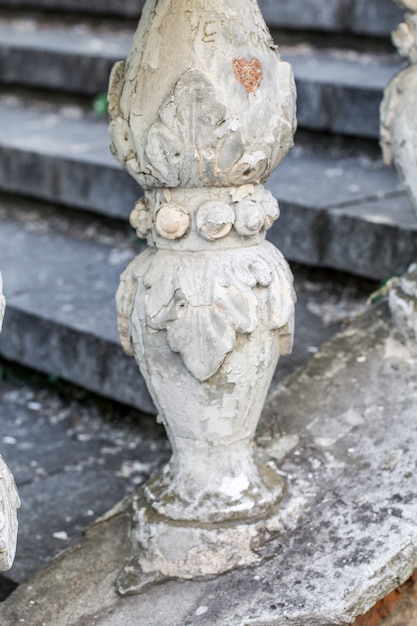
[
  {"x": 248, "y": 72},
  {"x": 391, "y": 605}
]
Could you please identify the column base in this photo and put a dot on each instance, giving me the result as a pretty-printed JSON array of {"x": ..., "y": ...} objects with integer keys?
[{"x": 164, "y": 548}]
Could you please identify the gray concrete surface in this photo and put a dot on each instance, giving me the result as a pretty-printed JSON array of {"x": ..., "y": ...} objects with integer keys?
[
  {"x": 125, "y": 8},
  {"x": 344, "y": 439},
  {"x": 63, "y": 157},
  {"x": 61, "y": 311},
  {"x": 72, "y": 460},
  {"x": 340, "y": 91},
  {"x": 365, "y": 17}
]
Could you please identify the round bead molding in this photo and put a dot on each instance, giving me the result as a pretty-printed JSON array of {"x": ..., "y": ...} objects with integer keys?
[
  {"x": 249, "y": 219},
  {"x": 172, "y": 221},
  {"x": 214, "y": 220},
  {"x": 140, "y": 219}
]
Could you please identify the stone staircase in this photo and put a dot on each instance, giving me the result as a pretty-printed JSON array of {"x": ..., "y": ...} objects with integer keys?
[{"x": 340, "y": 207}]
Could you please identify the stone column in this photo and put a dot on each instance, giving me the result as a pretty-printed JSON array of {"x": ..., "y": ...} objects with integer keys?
[
  {"x": 201, "y": 112},
  {"x": 9, "y": 498},
  {"x": 399, "y": 106}
]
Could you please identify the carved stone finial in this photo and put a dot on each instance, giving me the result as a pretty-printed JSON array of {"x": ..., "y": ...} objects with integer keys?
[
  {"x": 398, "y": 109},
  {"x": 201, "y": 112},
  {"x": 9, "y": 498}
]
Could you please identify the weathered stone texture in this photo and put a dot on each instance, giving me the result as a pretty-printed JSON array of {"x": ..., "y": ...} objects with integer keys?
[
  {"x": 208, "y": 309},
  {"x": 398, "y": 123},
  {"x": 399, "y": 608},
  {"x": 9, "y": 498},
  {"x": 349, "y": 511}
]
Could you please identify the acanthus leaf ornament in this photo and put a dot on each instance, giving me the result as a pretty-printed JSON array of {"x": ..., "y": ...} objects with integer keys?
[{"x": 203, "y": 303}]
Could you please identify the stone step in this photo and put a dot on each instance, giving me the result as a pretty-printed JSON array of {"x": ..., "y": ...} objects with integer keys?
[
  {"x": 63, "y": 156},
  {"x": 61, "y": 318},
  {"x": 61, "y": 313},
  {"x": 363, "y": 17},
  {"x": 338, "y": 91},
  {"x": 73, "y": 59},
  {"x": 359, "y": 17},
  {"x": 339, "y": 209}
]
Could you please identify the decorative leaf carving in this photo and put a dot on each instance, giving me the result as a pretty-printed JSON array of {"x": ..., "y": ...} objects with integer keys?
[
  {"x": 177, "y": 155},
  {"x": 203, "y": 336},
  {"x": 175, "y": 152},
  {"x": 202, "y": 303}
]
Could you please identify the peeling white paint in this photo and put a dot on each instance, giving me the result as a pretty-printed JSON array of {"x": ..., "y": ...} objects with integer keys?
[
  {"x": 201, "y": 610},
  {"x": 234, "y": 487}
]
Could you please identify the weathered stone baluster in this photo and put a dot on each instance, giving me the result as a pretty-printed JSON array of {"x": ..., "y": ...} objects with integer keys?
[
  {"x": 398, "y": 109},
  {"x": 9, "y": 498},
  {"x": 399, "y": 146},
  {"x": 2, "y": 303},
  {"x": 201, "y": 112}
]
